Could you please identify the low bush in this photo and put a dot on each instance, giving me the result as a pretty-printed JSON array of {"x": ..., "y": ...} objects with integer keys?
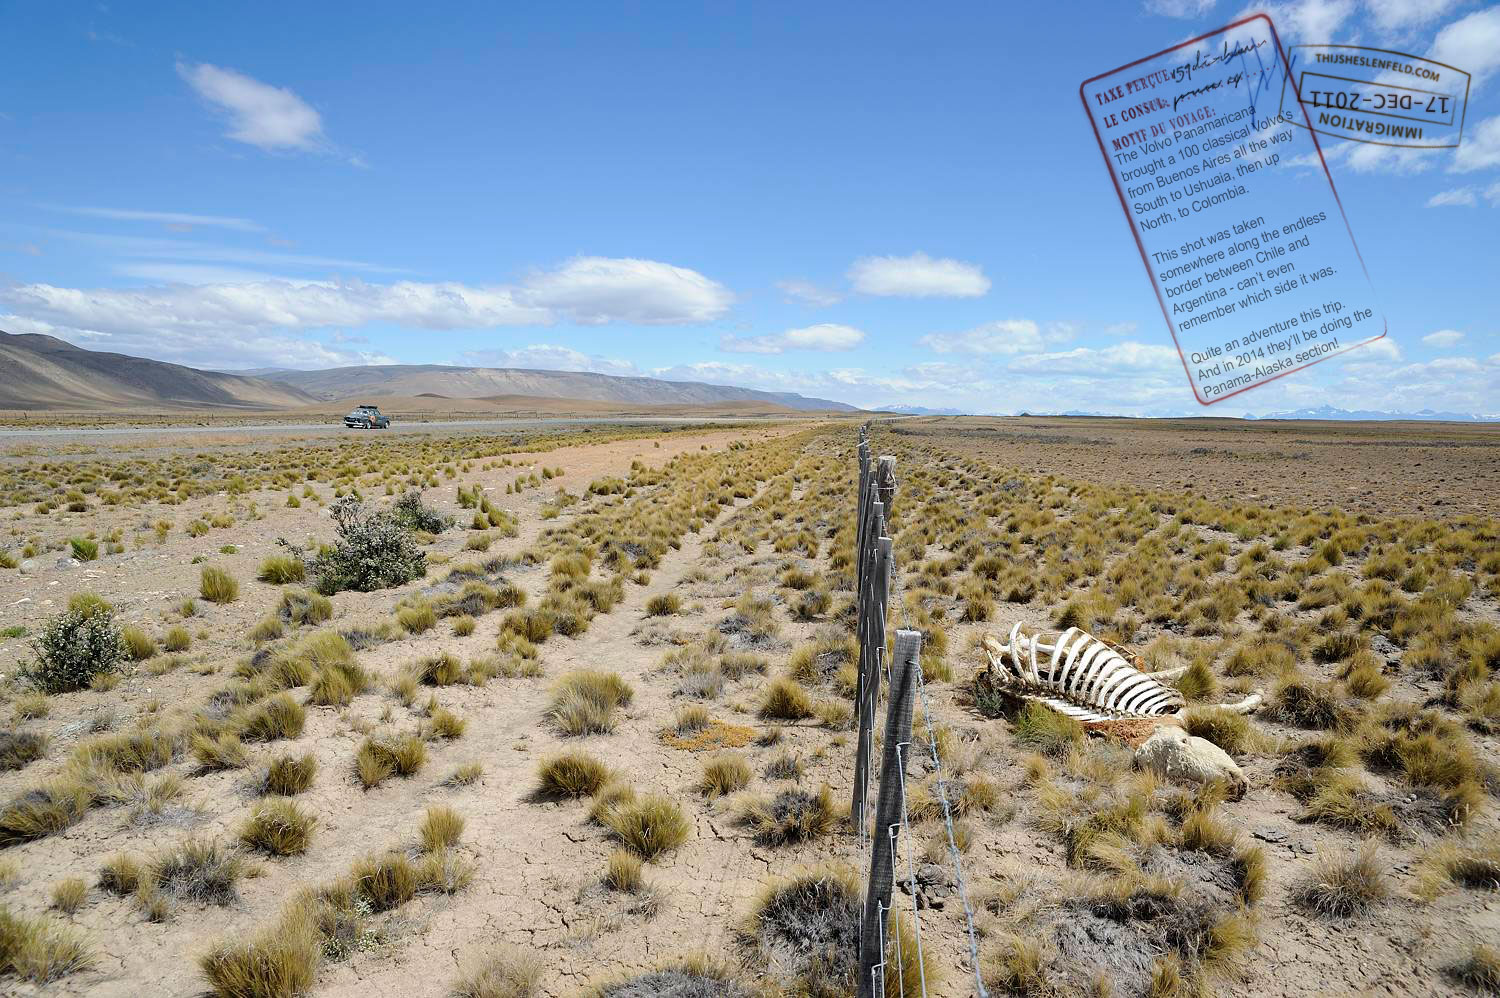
[
  {"x": 74, "y": 647},
  {"x": 373, "y": 550}
]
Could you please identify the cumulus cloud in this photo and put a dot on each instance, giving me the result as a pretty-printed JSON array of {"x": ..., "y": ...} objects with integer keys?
[
  {"x": 1306, "y": 20},
  {"x": 800, "y": 292},
  {"x": 593, "y": 290},
  {"x": 1443, "y": 338},
  {"x": 261, "y": 115},
  {"x": 588, "y": 290},
  {"x": 1472, "y": 43},
  {"x": 917, "y": 276},
  {"x": 1480, "y": 149},
  {"x": 176, "y": 219},
  {"x": 1465, "y": 197},
  {"x": 826, "y": 336}
]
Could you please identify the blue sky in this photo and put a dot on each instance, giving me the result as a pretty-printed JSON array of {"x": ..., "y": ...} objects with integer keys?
[{"x": 876, "y": 203}]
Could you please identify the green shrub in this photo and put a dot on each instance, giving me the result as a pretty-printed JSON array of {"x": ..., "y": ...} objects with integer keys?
[
  {"x": 374, "y": 550},
  {"x": 410, "y": 512},
  {"x": 83, "y": 549},
  {"x": 73, "y": 648}
]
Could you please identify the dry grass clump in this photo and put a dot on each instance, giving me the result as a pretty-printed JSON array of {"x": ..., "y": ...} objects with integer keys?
[
  {"x": 790, "y": 816},
  {"x": 648, "y": 826},
  {"x": 196, "y": 870},
  {"x": 273, "y": 718},
  {"x": 663, "y": 605},
  {"x": 287, "y": 776},
  {"x": 569, "y": 776},
  {"x": 378, "y": 759},
  {"x": 442, "y": 827},
  {"x": 465, "y": 775},
  {"x": 1480, "y": 970},
  {"x": 127, "y": 752},
  {"x": 19, "y": 749},
  {"x": 785, "y": 700},
  {"x": 139, "y": 645},
  {"x": 217, "y": 586},
  {"x": 417, "y": 618},
  {"x": 280, "y": 569},
  {"x": 1342, "y": 887},
  {"x": 279, "y": 827},
  {"x": 220, "y": 751},
  {"x": 622, "y": 872},
  {"x": 278, "y": 962},
  {"x": 69, "y": 894},
  {"x": 1045, "y": 731},
  {"x": 1310, "y": 704},
  {"x": 508, "y": 973},
  {"x": 724, "y": 774},
  {"x": 687, "y": 978},
  {"x": 785, "y": 766},
  {"x": 38, "y": 949},
  {"x": 1226, "y": 729},
  {"x": 1476, "y": 867},
  {"x": 42, "y": 811},
  {"x": 585, "y": 701}
]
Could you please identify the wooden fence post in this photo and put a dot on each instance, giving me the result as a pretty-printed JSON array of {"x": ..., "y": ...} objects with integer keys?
[
  {"x": 869, "y": 632},
  {"x": 888, "y": 809}
]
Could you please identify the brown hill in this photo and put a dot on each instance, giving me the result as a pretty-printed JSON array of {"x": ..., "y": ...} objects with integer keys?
[{"x": 45, "y": 373}]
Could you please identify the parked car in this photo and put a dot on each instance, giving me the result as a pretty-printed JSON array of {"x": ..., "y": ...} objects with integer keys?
[{"x": 366, "y": 417}]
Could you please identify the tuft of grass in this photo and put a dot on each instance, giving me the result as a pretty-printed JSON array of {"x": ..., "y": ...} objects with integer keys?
[
  {"x": 219, "y": 752},
  {"x": 1344, "y": 886},
  {"x": 570, "y": 775},
  {"x": 217, "y": 586},
  {"x": 139, "y": 645},
  {"x": 785, "y": 700},
  {"x": 663, "y": 605},
  {"x": 19, "y": 749},
  {"x": 442, "y": 827},
  {"x": 1480, "y": 970},
  {"x": 724, "y": 774},
  {"x": 622, "y": 872},
  {"x": 69, "y": 894},
  {"x": 465, "y": 775},
  {"x": 385, "y": 882},
  {"x": 279, "y": 827},
  {"x": 691, "y": 719},
  {"x": 1311, "y": 704},
  {"x": 177, "y": 639},
  {"x": 39, "y": 950},
  {"x": 280, "y": 569},
  {"x": 42, "y": 811},
  {"x": 1198, "y": 682},
  {"x": 1046, "y": 731},
  {"x": 287, "y": 776},
  {"x": 197, "y": 870},
  {"x": 790, "y": 816},
  {"x": 584, "y": 701},
  {"x": 1226, "y": 729},
  {"x": 784, "y": 767},
  {"x": 416, "y": 619},
  {"x": 380, "y": 758},
  {"x": 274, "y": 717},
  {"x": 121, "y": 875},
  {"x": 1017, "y": 966},
  {"x": 508, "y": 973},
  {"x": 279, "y": 962},
  {"x": 649, "y": 826}
]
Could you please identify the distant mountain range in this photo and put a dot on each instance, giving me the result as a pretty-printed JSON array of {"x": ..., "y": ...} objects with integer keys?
[
  {"x": 43, "y": 372},
  {"x": 1329, "y": 412},
  {"x": 922, "y": 410},
  {"x": 46, "y": 373}
]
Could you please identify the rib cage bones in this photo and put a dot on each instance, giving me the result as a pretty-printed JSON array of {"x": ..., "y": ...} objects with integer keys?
[{"x": 1081, "y": 676}]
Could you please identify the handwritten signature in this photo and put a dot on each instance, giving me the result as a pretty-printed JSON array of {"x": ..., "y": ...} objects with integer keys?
[{"x": 1253, "y": 79}]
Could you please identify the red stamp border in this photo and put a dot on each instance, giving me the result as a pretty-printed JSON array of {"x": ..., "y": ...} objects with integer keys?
[{"x": 1135, "y": 231}]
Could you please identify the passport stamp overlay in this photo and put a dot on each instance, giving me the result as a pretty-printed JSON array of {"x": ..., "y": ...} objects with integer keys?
[
  {"x": 1378, "y": 96},
  {"x": 1253, "y": 264}
]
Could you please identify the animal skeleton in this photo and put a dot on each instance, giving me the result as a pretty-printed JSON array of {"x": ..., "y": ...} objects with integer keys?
[{"x": 1081, "y": 676}]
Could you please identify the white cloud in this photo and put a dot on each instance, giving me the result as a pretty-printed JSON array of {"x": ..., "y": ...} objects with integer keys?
[
  {"x": 1458, "y": 197},
  {"x": 169, "y": 218},
  {"x": 267, "y": 117},
  {"x": 1121, "y": 359},
  {"x": 589, "y": 290},
  {"x": 917, "y": 276},
  {"x": 1306, "y": 20},
  {"x": 1443, "y": 338},
  {"x": 594, "y": 290},
  {"x": 1480, "y": 149},
  {"x": 1385, "y": 348},
  {"x": 1121, "y": 328},
  {"x": 1179, "y": 8},
  {"x": 802, "y": 292},
  {"x": 1007, "y": 336},
  {"x": 1393, "y": 15},
  {"x": 1471, "y": 43},
  {"x": 826, "y": 336},
  {"x": 550, "y": 357}
]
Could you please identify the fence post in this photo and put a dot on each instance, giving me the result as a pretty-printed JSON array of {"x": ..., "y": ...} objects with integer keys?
[
  {"x": 888, "y": 809},
  {"x": 869, "y": 632}
]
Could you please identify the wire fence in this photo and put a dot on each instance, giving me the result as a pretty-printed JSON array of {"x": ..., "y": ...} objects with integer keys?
[{"x": 889, "y": 959}]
